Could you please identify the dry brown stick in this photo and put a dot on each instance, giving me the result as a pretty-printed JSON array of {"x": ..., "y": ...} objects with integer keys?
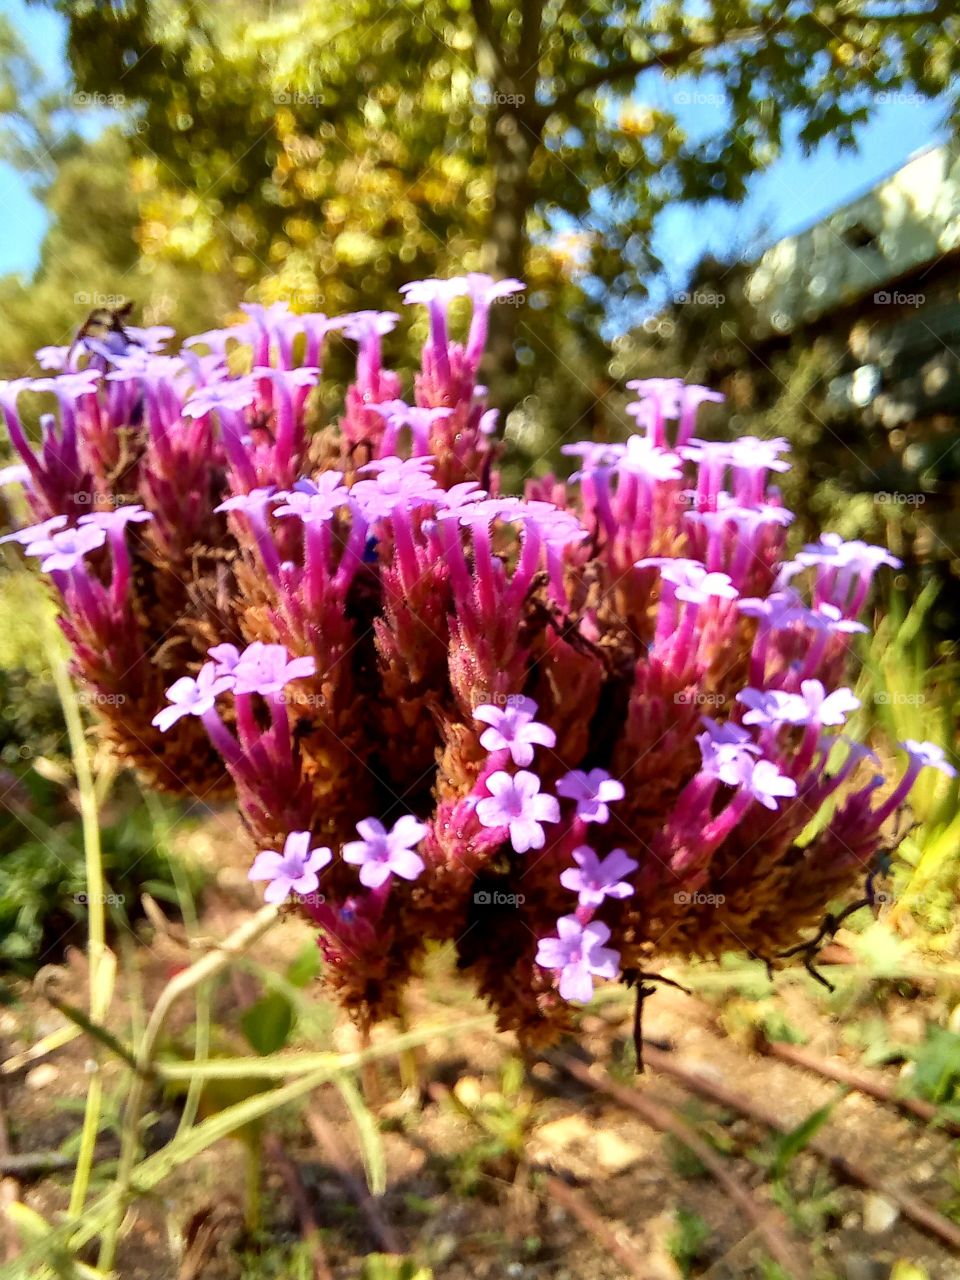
[
  {"x": 576, "y": 1204},
  {"x": 572, "y": 1200},
  {"x": 326, "y": 1137},
  {"x": 866, "y": 1082},
  {"x": 762, "y": 1217},
  {"x": 309, "y": 1227},
  {"x": 911, "y": 1206}
]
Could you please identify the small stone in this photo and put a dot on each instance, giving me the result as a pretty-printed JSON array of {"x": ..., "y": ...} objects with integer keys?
[
  {"x": 858, "y": 1266},
  {"x": 879, "y": 1215},
  {"x": 41, "y": 1077},
  {"x": 613, "y": 1153},
  {"x": 850, "y": 1221}
]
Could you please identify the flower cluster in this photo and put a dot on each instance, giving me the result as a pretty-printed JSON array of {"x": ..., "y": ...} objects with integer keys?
[{"x": 446, "y": 712}]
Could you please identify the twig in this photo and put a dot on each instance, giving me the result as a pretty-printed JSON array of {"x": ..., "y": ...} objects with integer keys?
[
  {"x": 309, "y": 1228},
  {"x": 866, "y": 1082},
  {"x": 912, "y": 1207},
  {"x": 325, "y": 1137},
  {"x": 576, "y": 1204},
  {"x": 28, "y": 1164},
  {"x": 760, "y": 1216}
]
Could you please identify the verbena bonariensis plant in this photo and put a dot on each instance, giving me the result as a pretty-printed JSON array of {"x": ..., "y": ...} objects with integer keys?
[{"x": 563, "y": 732}]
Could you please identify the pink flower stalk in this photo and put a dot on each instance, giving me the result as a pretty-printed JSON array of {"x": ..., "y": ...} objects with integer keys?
[{"x": 374, "y": 617}]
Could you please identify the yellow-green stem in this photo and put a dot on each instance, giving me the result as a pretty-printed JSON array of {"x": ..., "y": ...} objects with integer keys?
[{"x": 96, "y": 901}]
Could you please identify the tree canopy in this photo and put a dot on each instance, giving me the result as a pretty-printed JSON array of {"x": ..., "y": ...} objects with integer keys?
[{"x": 326, "y": 151}]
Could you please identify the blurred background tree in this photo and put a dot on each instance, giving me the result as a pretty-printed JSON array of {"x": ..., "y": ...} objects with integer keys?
[{"x": 327, "y": 152}]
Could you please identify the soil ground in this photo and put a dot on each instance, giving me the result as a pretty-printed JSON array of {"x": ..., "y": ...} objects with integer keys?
[{"x": 470, "y": 1203}]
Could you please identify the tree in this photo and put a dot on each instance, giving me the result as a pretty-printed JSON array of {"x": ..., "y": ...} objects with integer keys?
[
  {"x": 329, "y": 150},
  {"x": 89, "y": 256}
]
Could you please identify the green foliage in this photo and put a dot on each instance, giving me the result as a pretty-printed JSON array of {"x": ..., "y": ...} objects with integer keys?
[
  {"x": 43, "y": 902},
  {"x": 936, "y": 1069},
  {"x": 268, "y": 1023},
  {"x": 387, "y": 1266},
  {"x": 327, "y": 152},
  {"x": 688, "y": 1239},
  {"x": 906, "y": 694}
]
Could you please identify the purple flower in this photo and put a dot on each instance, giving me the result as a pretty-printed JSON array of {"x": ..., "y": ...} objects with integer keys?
[
  {"x": 52, "y": 357},
  {"x": 400, "y": 482},
  {"x": 514, "y": 728},
  {"x": 233, "y": 394},
  {"x": 359, "y": 325},
  {"x": 225, "y": 658},
  {"x": 381, "y": 853},
  {"x": 268, "y": 668},
  {"x": 16, "y": 473},
  {"x": 727, "y": 752},
  {"x": 695, "y": 585},
  {"x": 251, "y": 503},
  {"x": 928, "y": 753},
  {"x": 189, "y": 697},
  {"x": 433, "y": 290},
  {"x": 813, "y": 705},
  {"x": 311, "y": 500},
  {"x": 293, "y": 871},
  {"x": 767, "y": 784},
  {"x": 578, "y": 952},
  {"x": 64, "y": 550},
  {"x": 642, "y": 457},
  {"x": 117, "y": 519},
  {"x": 515, "y": 803},
  {"x": 833, "y": 553},
  {"x": 592, "y": 791},
  {"x": 595, "y": 880},
  {"x": 34, "y": 534}
]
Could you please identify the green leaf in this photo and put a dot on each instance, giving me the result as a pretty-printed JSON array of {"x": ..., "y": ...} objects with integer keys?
[
  {"x": 305, "y": 967},
  {"x": 790, "y": 1145},
  {"x": 268, "y": 1023},
  {"x": 368, "y": 1132}
]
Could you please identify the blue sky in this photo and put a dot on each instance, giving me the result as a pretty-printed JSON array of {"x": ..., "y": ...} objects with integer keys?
[{"x": 795, "y": 192}]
